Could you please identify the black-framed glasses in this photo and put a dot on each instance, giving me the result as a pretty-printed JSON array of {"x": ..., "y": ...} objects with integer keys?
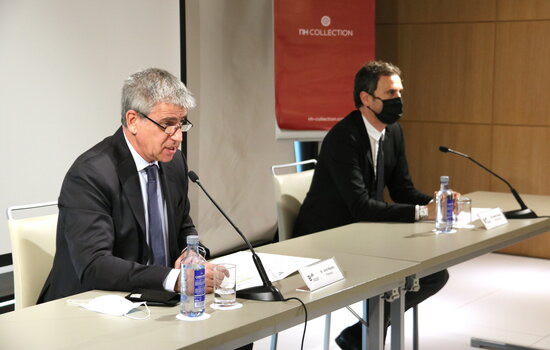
[{"x": 184, "y": 126}]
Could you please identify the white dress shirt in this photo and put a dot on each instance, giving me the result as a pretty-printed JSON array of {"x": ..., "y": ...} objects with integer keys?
[
  {"x": 374, "y": 138},
  {"x": 141, "y": 164}
]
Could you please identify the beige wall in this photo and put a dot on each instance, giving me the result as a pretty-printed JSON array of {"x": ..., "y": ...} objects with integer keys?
[
  {"x": 232, "y": 148},
  {"x": 476, "y": 74}
]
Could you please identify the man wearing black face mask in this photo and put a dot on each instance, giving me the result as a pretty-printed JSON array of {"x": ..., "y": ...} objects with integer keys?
[{"x": 360, "y": 156}]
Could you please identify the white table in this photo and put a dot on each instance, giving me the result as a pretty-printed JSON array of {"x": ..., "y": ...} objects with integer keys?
[
  {"x": 58, "y": 325},
  {"x": 374, "y": 258}
]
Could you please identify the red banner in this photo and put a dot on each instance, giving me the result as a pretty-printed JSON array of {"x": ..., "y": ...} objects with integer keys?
[{"x": 319, "y": 46}]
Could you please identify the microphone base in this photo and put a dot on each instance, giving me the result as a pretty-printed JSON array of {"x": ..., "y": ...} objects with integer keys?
[
  {"x": 262, "y": 293},
  {"x": 520, "y": 214}
]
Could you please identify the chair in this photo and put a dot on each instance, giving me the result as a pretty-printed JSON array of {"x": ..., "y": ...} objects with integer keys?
[
  {"x": 33, "y": 249},
  {"x": 290, "y": 191}
]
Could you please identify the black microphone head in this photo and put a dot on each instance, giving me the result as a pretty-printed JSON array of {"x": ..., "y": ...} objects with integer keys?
[
  {"x": 444, "y": 149},
  {"x": 193, "y": 176}
]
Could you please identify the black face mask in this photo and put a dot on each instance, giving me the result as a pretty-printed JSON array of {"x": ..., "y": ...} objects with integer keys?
[{"x": 392, "y": 110}]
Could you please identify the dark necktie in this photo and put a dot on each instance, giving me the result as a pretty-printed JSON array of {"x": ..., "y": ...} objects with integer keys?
[
  {"x": 156, "y": 238},
  {"x": 380, "y": 171}
]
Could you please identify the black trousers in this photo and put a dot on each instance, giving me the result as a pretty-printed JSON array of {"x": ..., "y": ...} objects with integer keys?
[{"x": 429, "y": 285}]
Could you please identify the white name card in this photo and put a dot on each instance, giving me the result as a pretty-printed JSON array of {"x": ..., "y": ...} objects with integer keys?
[
  {"x": 320, "y": 274},
  {"x": 492, "y": 218}
]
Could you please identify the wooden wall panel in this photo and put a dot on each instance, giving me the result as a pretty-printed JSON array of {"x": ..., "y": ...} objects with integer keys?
[
  {"x": 427, "y": 163},
  {"x": 522, "y": 73},
  {"x": 476, "y": 79},
  {"x": 537, "y": 247},
  {"x": 446, "y": 69},
  {"x": 522, "y": 10},
  {"x": 521, "y": 155},
  {"x": 421, "y": 11}
]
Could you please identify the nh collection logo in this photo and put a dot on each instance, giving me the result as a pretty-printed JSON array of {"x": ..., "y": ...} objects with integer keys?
[{"x": 325, "y": 22}]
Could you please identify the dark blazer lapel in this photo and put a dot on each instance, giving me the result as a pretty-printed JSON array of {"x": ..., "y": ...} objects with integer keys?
[
  {"x": 129, "y": 179},
  {"x": 363, "y": 136}
]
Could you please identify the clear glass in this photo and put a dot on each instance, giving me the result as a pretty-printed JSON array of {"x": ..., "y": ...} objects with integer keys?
[
  {"x": 225, "y": 285},
  {"x": 463, "y": 217}
]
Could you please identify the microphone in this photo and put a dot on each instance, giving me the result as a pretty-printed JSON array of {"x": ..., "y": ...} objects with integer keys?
[
  {"x": 523, "y": 213},
  {"x": 265, "y": 292}
]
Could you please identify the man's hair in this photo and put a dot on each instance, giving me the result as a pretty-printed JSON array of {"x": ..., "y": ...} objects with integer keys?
[
  {"x": 367, "y": 78},
  {"x": 144, "y": 89}
]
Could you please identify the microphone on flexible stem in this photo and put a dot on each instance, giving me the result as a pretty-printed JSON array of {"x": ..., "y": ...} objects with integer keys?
[
  {"x": 523, "y": 213},
  {"x": 265, "y": 292}
]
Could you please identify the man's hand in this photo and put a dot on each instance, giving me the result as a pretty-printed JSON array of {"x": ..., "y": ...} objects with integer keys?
[
  {"x": 210, "y": 276},
  {"x": 432, "y": 206}
]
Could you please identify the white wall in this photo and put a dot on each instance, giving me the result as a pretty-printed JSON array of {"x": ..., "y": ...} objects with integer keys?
[
  {"x": 62, "y": 65},
  {"x": 230, "y": 70}
]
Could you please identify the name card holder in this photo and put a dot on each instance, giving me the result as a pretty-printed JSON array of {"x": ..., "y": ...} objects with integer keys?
[
  {"x": 492, "y": 218},
  {"x": 320, "y": 275}
]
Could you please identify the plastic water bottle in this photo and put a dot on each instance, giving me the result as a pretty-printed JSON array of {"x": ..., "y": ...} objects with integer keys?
[
  {"x": 444, "y": 202},
  {"x": 193, "y": 280}
]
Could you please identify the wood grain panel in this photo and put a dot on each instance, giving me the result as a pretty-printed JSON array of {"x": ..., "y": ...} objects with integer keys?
[
  {"x": 427, "y": 163},
  {"x": 480, "y": 88},
  {"x": 537, "y": 247},
  {"x": 415, "y": 11},
  {"x": 446, "y": 69},
  {"x": 522, "y": 10},
  {"x": 522, "y": 73},
  {"x": 521, "y": 155}
]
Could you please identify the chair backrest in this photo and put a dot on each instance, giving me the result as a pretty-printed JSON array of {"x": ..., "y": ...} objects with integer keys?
[
  {"x": 290, "y": 191},
  {"x": 33, "y": 249}
]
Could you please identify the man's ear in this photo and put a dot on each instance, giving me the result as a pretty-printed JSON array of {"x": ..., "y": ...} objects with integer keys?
[
  {"x": 366, "y": 99},
  {"x": 132, "y": 119}
]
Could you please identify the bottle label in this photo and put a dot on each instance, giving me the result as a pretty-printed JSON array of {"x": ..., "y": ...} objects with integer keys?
[
  {"x": 200, "y": 288},
  {"x": 449, "y": 208}
]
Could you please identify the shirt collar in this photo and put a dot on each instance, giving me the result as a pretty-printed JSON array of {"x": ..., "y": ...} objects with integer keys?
[
  {"x": 372, "y": 131},
  {"x": 140, "y": 162}
]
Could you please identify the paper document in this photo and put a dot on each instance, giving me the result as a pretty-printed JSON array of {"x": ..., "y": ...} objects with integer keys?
[{"x": 276, "y": 266}]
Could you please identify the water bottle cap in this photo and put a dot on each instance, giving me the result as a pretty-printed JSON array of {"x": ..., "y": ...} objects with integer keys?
[
  {"x": 444, "y": 178},
  {"x": 192, "y": 239}
]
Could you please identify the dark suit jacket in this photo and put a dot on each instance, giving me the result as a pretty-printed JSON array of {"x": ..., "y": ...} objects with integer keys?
[
  {"x": 343, "y": 187},
  {"x": 101, "y": 237}
]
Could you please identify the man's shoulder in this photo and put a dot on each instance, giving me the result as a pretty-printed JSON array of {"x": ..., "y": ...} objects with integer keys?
[
  {"x": 102, "y": 155},
  {"x": 394, "y": 127},
  {"x": 394, "y": 131},
  {"x": 349, "y": 127}
]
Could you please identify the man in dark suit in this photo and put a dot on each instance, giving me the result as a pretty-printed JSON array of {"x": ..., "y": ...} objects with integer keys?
[
  {"x": 360, "y": 156},
  {"x": 104, "y": 238}
]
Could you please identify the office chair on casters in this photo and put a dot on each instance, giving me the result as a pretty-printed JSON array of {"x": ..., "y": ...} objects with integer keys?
[{"x": 33, "y": 249}]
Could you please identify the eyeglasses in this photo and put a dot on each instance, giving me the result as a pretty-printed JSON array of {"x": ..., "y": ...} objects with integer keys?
[{"x": 184, "y": 126}]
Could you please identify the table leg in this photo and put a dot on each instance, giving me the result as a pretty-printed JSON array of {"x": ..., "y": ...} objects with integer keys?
[
  {"x": 373, "y": 336},
  {"x": 397, "y": 321}
]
